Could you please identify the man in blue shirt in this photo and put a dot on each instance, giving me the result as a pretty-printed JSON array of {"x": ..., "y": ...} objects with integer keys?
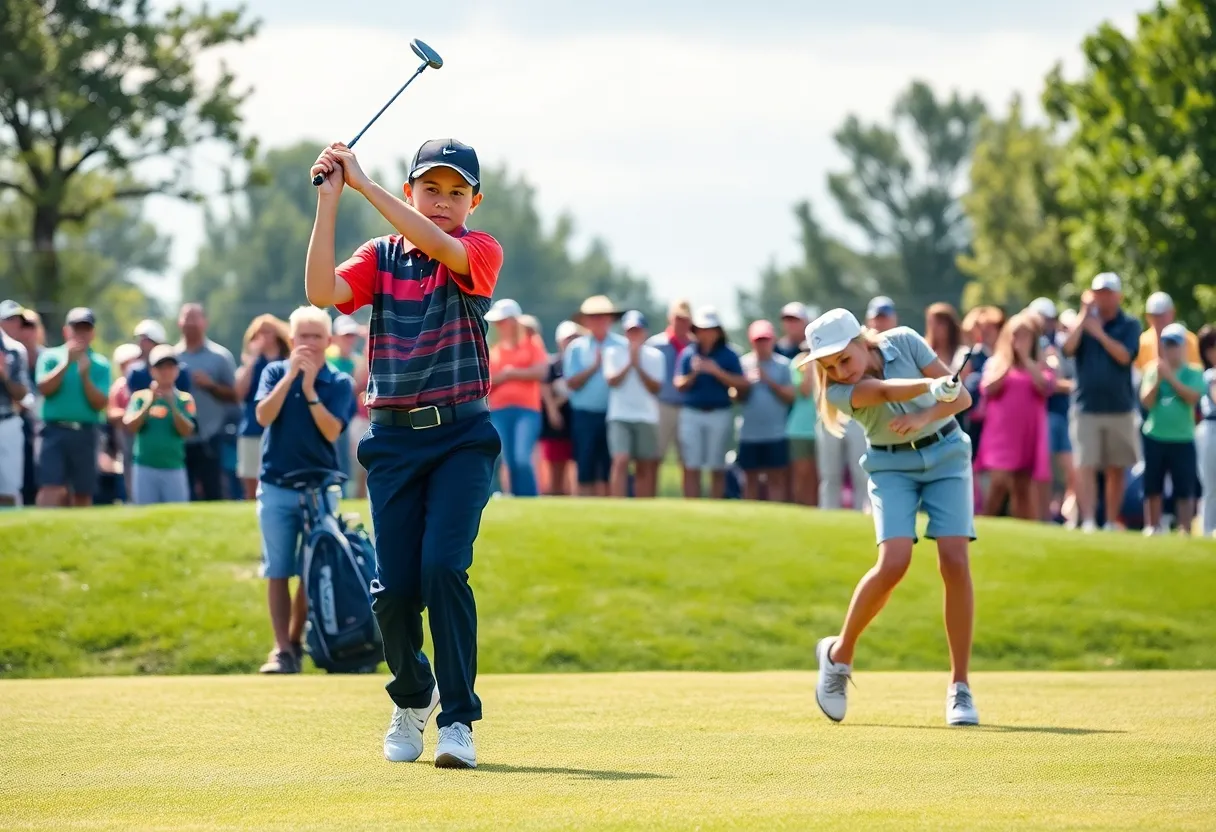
[
  {"x": 582, "y": 367},
  {"x": 707, "y": 372},
  {"x": 304, "y": 406},
  {"x": 671, "y": 342},
  {"x": 1104, "y": 343}
]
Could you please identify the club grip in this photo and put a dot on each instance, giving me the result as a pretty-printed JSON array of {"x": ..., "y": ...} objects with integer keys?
[{"x": 318, "y": 179}]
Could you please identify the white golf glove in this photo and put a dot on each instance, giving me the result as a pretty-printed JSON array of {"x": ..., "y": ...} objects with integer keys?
[{"x": 945, "y": 389}]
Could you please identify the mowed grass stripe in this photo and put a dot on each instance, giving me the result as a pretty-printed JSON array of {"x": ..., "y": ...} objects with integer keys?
[
  {"x": 602, "y": 585},
  {"x": 703, "y": 751}
]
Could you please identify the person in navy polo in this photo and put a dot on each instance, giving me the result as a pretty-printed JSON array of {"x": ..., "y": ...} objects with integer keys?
[
  {"x": 431, "y": 450},
  {"x": 706, "y": 372},
  {"x": 303, "y": 407}
]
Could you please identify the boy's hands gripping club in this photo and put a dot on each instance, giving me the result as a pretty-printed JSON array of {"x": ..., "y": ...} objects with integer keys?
[{"x": 338, "y": 166}]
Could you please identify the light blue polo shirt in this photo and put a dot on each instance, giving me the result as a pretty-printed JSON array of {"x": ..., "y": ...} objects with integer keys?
[
  {"x": 905, "y": 354},
  {"x": 593, "y": 396}
]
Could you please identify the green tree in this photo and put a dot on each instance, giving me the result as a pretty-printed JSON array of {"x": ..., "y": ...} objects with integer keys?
[
  {"x": 540, "y": 268},
  {"x": 101, "y": 258},
  {"x": 252, "y": 258},
  {"x": 1019, "y": 249},
  {"x": 1139, "y": 177},
  {"x": 104, "y": 85},
  {"x": 829, "y": 274},
  {"x": 907, "y": 210}
]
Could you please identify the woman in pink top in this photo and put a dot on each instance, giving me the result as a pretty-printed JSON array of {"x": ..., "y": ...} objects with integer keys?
[{"x": 1016, "y": 383}]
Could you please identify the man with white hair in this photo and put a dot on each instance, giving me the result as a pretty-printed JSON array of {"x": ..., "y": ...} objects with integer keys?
[
  {"x": 1159, "y": 312},
  {"x": 304, "y": 406}
]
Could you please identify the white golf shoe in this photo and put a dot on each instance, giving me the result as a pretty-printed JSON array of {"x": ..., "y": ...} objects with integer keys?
[
  {"x": 831, "y": 689},
  {"x": 403, "y": 742},
  {"x": 455, "y": 748},
  {"x": 960, "y": 706}
]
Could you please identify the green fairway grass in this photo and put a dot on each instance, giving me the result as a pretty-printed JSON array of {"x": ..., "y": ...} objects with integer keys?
[
  {"x": 601, "y": 585},
  {"x": 681, "y": 751}
]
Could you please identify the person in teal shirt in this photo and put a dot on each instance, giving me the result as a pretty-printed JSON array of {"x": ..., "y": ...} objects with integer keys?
[
  {"x": 800, "y": 428},
  {"x": 1170, "y": 391},
  {"x": 74, "y": 382}
]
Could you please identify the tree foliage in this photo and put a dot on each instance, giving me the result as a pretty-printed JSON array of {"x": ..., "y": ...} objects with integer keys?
[
  {"x": 253, "y": 258},
  {"x": 1139, "y": 175},
  {"x": 907, "y": 202},
  {"x": 105, "y": 85},
  {"x": 1019, "y": 249},
  {"x": 828, "y": 274}
]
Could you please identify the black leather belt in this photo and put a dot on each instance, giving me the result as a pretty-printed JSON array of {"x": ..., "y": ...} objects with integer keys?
[
  {"x": 431, "y": 416},
  {"x": 924, "y": 442}
]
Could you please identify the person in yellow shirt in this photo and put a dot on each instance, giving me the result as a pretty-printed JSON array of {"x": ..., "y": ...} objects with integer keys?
[{"x": 1159, "y": 311}]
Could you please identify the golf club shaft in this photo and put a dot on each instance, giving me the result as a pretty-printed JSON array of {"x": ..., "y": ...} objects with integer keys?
[{"x": 320, "y": 177}]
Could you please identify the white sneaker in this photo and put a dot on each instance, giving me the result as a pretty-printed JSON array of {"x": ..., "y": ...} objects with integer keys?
[
  {"x": 1089, "y": 527},
  {"x": 1110, "y": 527},
  {"x": 455, "y": 748},
  {"x": 960, "y": 707},
  {"x": 403, "y": 742},
  {"x": 831, "y": 689},
  {"x": 1149, "y": 531}
]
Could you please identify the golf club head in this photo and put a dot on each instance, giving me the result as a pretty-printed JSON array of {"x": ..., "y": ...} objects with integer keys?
[{"x": 426, "y": 53}]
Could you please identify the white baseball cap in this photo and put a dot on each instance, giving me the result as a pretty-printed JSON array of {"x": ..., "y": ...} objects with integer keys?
[
  {"x": 150, "y": 329},
  {"x": 567, "y": 329},
  {"x": 706, "y": 318},
  {"x": 830, "y": 333},
  {"x": 1045, "y": 307},
  {"x": 345, "y": 325},
  {"x": 878, "y": 306},
  {"x": 1175, "y": 333},
  {"x": 1108, "y": 281},
  {"x": 503, "y": 309},
  {"x": 1158, "y": 303},
  {"x": 794, "y": 309}
]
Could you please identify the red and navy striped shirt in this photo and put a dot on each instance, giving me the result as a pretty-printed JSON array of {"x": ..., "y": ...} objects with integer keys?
[{"x": 428, "y": 328}]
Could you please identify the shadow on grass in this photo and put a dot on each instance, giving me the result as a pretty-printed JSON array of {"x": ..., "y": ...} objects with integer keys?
[
  {"x": 573, "y": 773},
  {"x": 1000, "y": 729}
]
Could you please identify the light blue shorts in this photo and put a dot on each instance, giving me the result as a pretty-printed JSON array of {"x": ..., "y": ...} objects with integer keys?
[
  {"x": 281, "y": 519},
  {"x": 936, "y": 480}
]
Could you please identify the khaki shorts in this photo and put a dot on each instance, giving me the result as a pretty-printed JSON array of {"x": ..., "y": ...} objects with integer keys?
[
  {"x": 249, "y": 457},
  {"x": 669, "y": 428},
  {"x": 1104, "y": 440},
  {"x": 637, "y": 440}
]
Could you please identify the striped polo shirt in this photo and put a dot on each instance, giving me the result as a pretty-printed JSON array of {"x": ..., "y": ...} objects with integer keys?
[{"x": 427, "y": 339}]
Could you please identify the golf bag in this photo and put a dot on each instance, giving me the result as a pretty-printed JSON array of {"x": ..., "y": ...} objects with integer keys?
[{"x": 338, "y": 565}]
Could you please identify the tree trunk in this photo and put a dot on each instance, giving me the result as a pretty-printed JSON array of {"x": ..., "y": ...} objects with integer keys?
[{"x": 46, "y": 289}]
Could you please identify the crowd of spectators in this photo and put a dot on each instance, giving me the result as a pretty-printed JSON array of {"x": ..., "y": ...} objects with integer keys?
[{"x": 1083, "y": 417}]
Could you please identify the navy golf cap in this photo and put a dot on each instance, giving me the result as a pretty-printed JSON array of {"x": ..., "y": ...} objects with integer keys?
[
  {"x": 633, "y": 319},
  {"x": 81, "y": 315},
  {"x": 447, "y": 153}
]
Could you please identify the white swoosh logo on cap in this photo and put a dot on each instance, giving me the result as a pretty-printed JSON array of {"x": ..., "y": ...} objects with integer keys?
[{"x": 447, "y": 151}]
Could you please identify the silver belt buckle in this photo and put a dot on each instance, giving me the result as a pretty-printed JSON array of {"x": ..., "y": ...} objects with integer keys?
[{"x": 432, "y": 421}]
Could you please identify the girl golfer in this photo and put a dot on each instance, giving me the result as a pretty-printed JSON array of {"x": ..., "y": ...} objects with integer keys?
[{"x": 917, "y": 457}]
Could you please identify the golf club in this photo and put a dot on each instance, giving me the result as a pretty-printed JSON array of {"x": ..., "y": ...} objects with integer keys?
[
  {"x": 429, "y": 58},
  {"x": 974, "y": 351}
]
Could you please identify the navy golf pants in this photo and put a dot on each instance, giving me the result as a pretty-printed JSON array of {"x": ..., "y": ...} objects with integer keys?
[{"x": 427, "y": 490}]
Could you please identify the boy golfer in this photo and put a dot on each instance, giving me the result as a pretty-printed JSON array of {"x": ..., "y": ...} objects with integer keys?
[
  {"x": 918, "y": 458},
  {"x": 430, "y": 451}
]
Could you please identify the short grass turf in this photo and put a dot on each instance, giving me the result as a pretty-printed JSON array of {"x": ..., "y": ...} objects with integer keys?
[
  {"x": 604, "y": 585},
  {"x": 680, "y": 751}
]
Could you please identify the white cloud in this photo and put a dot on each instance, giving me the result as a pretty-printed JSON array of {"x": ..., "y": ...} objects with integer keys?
[{"x": 684, "y": 153}]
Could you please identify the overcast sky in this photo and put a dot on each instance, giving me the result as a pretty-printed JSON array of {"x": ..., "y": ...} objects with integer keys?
[{"x": 679, "y": 131}]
